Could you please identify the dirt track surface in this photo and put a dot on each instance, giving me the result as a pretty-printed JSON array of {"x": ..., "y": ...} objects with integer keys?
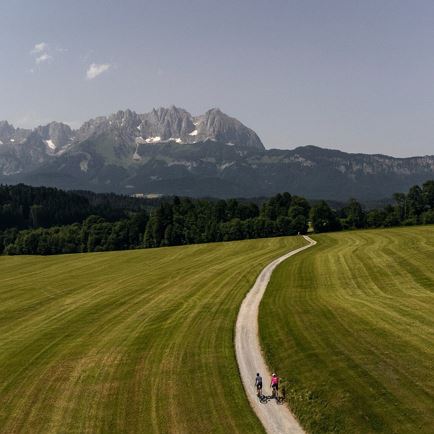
[{"x": 276, "y": 419}]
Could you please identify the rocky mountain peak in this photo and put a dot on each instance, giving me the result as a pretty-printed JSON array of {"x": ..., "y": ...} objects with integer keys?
[
  {"x": 215, "y": 111},
  {"x": 223, "y": 128},
  {"x": 55, "y": 134},
  {"x": 170, "y": 124},
  {"x": 167, "y": 123},
  {"x": 152, "y": 152},
  {"x": 120, "y": 138},
  {"x": 12, "y": 135},
  {"x": 7, "y": 131}
]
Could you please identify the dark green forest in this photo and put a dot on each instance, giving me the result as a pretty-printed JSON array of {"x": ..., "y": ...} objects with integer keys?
[{"x": 46, "y": 221}]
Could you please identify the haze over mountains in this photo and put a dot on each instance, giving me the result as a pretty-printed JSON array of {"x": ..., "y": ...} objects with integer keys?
[{"x": 169, "y": 151}]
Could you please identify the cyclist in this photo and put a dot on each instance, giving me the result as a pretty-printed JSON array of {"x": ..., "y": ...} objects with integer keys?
[
  {"x": 275, "y": 384},
  {"x": 258, "y": 384}
]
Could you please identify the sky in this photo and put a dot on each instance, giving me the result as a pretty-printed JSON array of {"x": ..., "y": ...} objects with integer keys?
[{"x": 351, "y": 75}]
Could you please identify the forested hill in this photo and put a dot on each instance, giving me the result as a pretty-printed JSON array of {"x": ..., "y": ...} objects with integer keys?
[{"x": 50, "y": 221}]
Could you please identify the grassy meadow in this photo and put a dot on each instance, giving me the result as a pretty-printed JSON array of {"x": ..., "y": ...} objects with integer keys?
[
  {"x": 127, "y": 342},
  {"x": 350, "y": 324}
]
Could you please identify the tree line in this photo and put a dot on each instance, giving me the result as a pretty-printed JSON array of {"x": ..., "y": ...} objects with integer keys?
[
  {"x": 187, "y": 221},
  {"x": 412, "y": 208},
  {"x": 49, "y": 221},
  {"x": 176, "y": 221},
  {"x": 23, "y": 207}
]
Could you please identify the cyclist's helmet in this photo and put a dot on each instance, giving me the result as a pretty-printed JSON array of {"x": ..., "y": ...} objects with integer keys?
[
  {"x": 274, "y": 374},
  {"x": 257, "y": 374}
]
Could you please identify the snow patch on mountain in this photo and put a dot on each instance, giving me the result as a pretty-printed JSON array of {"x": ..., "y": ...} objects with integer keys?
[
  {"x": 155, "y": 139},
  {"x": 193, "y": 133},
  {"x": 50, "y": 144}
]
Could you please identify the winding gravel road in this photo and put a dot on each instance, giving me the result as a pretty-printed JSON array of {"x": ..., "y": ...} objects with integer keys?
[{"x": 276, "y": 419}]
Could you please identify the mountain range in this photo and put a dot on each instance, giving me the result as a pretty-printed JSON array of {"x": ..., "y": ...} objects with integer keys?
[{"x": 169, "y": 151}]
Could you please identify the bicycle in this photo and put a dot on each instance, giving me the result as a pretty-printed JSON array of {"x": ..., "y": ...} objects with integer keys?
[
  {"x": 282, "y": 398},
  {"x": 275, "y": 393},
  {"x": 263, "y": 399}
]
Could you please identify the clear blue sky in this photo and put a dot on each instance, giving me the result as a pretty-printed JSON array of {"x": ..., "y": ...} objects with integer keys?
[{"x": 353, "y": 75}]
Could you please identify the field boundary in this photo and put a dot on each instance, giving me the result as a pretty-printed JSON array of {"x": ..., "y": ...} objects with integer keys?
[{"x": 276, "y": 419}]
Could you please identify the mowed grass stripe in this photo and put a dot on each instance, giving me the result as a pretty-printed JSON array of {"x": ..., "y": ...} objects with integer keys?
[
  {"x": 138, "y": 341},
  {"x": 350, "y": 324}
]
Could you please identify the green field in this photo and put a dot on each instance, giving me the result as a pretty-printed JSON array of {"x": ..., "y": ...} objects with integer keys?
[
  {"x": 142, "y": 341},
  {"x": 133, "y": 342},
  {"x": 350, "y": 324}
]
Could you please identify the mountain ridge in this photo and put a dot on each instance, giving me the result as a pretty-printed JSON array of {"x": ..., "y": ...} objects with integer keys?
[{"x": 169, "y": 151}]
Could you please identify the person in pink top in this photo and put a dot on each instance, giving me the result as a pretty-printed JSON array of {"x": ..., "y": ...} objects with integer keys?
[{"x": 274, "y": 383}]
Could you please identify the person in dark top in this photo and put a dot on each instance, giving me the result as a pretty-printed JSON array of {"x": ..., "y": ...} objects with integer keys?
[{"x": 258, "y": 384}]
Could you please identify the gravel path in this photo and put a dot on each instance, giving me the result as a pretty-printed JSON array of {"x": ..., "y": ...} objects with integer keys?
[{"x": 276, "y": 419}]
